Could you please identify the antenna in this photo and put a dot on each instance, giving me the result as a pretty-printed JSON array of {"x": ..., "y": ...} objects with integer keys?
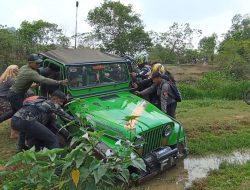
[{"x": 77, "y": 4}]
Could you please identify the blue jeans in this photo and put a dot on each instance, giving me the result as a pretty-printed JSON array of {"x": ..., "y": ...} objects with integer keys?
[{"x": 36, "y": 130}]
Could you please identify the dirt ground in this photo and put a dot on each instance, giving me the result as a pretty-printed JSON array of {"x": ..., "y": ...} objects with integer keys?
[{"x": 189, "y": 72}]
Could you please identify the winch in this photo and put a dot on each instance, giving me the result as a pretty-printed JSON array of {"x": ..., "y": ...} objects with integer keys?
[{"x": 161, "y": 158}]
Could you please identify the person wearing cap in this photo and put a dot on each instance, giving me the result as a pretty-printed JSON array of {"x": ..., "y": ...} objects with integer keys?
[
  {"x": 168, "y": 103},
  {"x": 26, "y": 76}
]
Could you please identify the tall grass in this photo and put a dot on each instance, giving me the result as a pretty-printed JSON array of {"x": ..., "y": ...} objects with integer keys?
[{"x": 215, "y": 85}]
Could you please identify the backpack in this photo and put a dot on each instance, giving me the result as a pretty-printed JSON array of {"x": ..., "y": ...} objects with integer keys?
[
  {"x": 176, "y": 92},
  {"x": 33, "y": 100}
]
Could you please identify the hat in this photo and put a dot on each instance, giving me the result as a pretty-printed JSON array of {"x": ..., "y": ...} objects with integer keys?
[
  {"x": 34, "y": 58},
  {"x": 156, "y": 75}
]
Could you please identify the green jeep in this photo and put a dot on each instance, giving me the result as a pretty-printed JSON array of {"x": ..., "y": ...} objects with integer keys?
[{"x": 102, "y": 83}]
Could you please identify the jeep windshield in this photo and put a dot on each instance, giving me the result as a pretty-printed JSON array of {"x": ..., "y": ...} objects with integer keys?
[{"x": 97, "y": 75}]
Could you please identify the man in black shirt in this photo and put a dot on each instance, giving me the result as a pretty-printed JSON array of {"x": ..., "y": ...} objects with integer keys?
[{"x": 34, "y": 117}]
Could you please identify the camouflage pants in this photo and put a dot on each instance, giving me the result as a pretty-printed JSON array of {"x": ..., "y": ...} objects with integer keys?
[
  {"x": 5, "y": 109},
  {"x": 4, "y": 106}
]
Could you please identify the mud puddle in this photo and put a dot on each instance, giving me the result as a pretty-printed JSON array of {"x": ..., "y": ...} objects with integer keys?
[{"x": 186, "y": 172}]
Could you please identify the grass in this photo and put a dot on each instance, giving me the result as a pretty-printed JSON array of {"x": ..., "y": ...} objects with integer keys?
[
  {"x": 215, "y": 126},
  {"x": 229, "y": 176},
  {"x": 7, "y": 145},
  {"x": 190, "y": 72},
  {"x": 212, "y": 127}
]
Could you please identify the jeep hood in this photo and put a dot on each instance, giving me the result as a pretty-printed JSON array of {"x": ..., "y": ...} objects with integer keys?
[{"x": 121, "y": 113}]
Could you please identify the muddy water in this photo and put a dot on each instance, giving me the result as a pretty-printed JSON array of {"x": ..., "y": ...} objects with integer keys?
[{"x": 192, "y": 168}]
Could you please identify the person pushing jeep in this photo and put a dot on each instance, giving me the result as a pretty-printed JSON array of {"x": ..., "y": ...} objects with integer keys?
[
  {"x": 35, "y": 117},
  {"x": 26, "y": 76},
  {"x": 168, "y": 102}
]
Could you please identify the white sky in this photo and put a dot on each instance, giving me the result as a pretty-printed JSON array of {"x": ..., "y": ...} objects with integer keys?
[{"x": 208, "y": 15}]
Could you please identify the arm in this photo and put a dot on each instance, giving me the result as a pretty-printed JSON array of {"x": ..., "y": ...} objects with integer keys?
[
  {"x": 144, "y": 84},
  {"x": 10, "y": 82},
  {"x": 41, "y": 79},
  {"x": 164, "y": 97},
  {"x": 148, "y": 90},
  {"x": 143, "y": 72}
]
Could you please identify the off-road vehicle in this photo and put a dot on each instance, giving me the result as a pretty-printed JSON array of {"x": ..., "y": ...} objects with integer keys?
[{"x": 102, "y": 84}]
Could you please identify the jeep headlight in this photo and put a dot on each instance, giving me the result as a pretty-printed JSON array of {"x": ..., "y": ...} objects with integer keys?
[
  {"x": 139, "y": 142},
  {"x": 167, "y": 131}
]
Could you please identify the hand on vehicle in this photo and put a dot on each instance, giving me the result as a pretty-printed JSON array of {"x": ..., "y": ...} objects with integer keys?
[
  {"x": 133, "y": 74},
  {"x": 137, "y": 93},
  {"x": 135, "y": 85},
  {"x": 63, "y": 82},
  {"x": 34, "y": 85}
]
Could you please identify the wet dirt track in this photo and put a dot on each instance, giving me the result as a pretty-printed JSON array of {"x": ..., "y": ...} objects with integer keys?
[{"x": 192, "y": 168}]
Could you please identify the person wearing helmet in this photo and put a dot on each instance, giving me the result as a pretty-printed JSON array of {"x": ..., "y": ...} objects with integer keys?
[
  {"x": 150, "y": 94},
  {"x": 143, "y": 69},
  {"x": 149, "y": 88},
  {"x": 164, "y": 92}
]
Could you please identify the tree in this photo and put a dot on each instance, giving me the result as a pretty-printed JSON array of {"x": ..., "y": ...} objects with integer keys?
[
  {"x": 207, "y": 46},
  {"x": 88, "y": 40},
  {"x": 162, "y": 55},
  {"x": 41, "y": 36},
  {"x": 240, "y": 28},
  {"x": 176, "y": 40},
  {"x": 234, "y": 50},
  {"x": 118, "y": 28},
  {"x": 31, "y": 37},
  {"x": 7, "y": 46}
]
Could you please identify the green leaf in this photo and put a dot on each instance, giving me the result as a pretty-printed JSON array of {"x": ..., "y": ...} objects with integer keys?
[
  {"x": 84, "y": 173},
  {"x": 4, "y": 173},
  {"x": 66, "y": 166},
  {"x": 61, "y": 184},
  {"x": 79, "y": 158},
  {"x": 125, "y": 174},
  {"x": 74, "y": 140},
  {"x": 18, "y": 158},
  {"x": 139, "y": 163},
  {"x": 90, "y": 186},
  {"x": 100, "y": 172},
  {"x": 52, "y": 157},
  {"x": 94, "y": 165}
]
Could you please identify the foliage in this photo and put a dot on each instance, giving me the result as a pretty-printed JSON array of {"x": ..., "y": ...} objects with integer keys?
[
  {"x": 119, "y": 28},
  {"x": 41, "y": 35},
  {"x": 215, "y": 126},
  {"x": 74, "y": 168},
  {"x": 228, "y": 176},
  {"x": 31, "y": 37},
  {"x": 234, "y": 51},
  {"x": 7, "y": 45},
  {"x": 162, "y": 55},
  {"x": 207, "y": 46},
  {"x": 215, "y": 85},
  {"x": 88, "y": 40},
  {"x": 174, "y": 42}
]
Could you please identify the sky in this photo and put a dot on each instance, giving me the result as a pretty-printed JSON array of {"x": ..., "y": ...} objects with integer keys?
[{"x": 211, "y": 16}]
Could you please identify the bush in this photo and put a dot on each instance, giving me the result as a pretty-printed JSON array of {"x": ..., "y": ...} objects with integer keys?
[
  {"x": 74, "y": 167},
  {"x": 215, "y": 85}
]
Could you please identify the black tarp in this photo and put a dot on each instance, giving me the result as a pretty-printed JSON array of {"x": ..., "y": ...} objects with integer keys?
[{"x": 78, "y": 56}]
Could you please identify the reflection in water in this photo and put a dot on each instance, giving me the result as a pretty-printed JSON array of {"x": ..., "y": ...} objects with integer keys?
[{"x": 192, "y": 168}]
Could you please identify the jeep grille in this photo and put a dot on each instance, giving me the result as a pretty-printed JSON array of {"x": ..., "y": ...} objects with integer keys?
[{"x": 152, "y": 139}]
